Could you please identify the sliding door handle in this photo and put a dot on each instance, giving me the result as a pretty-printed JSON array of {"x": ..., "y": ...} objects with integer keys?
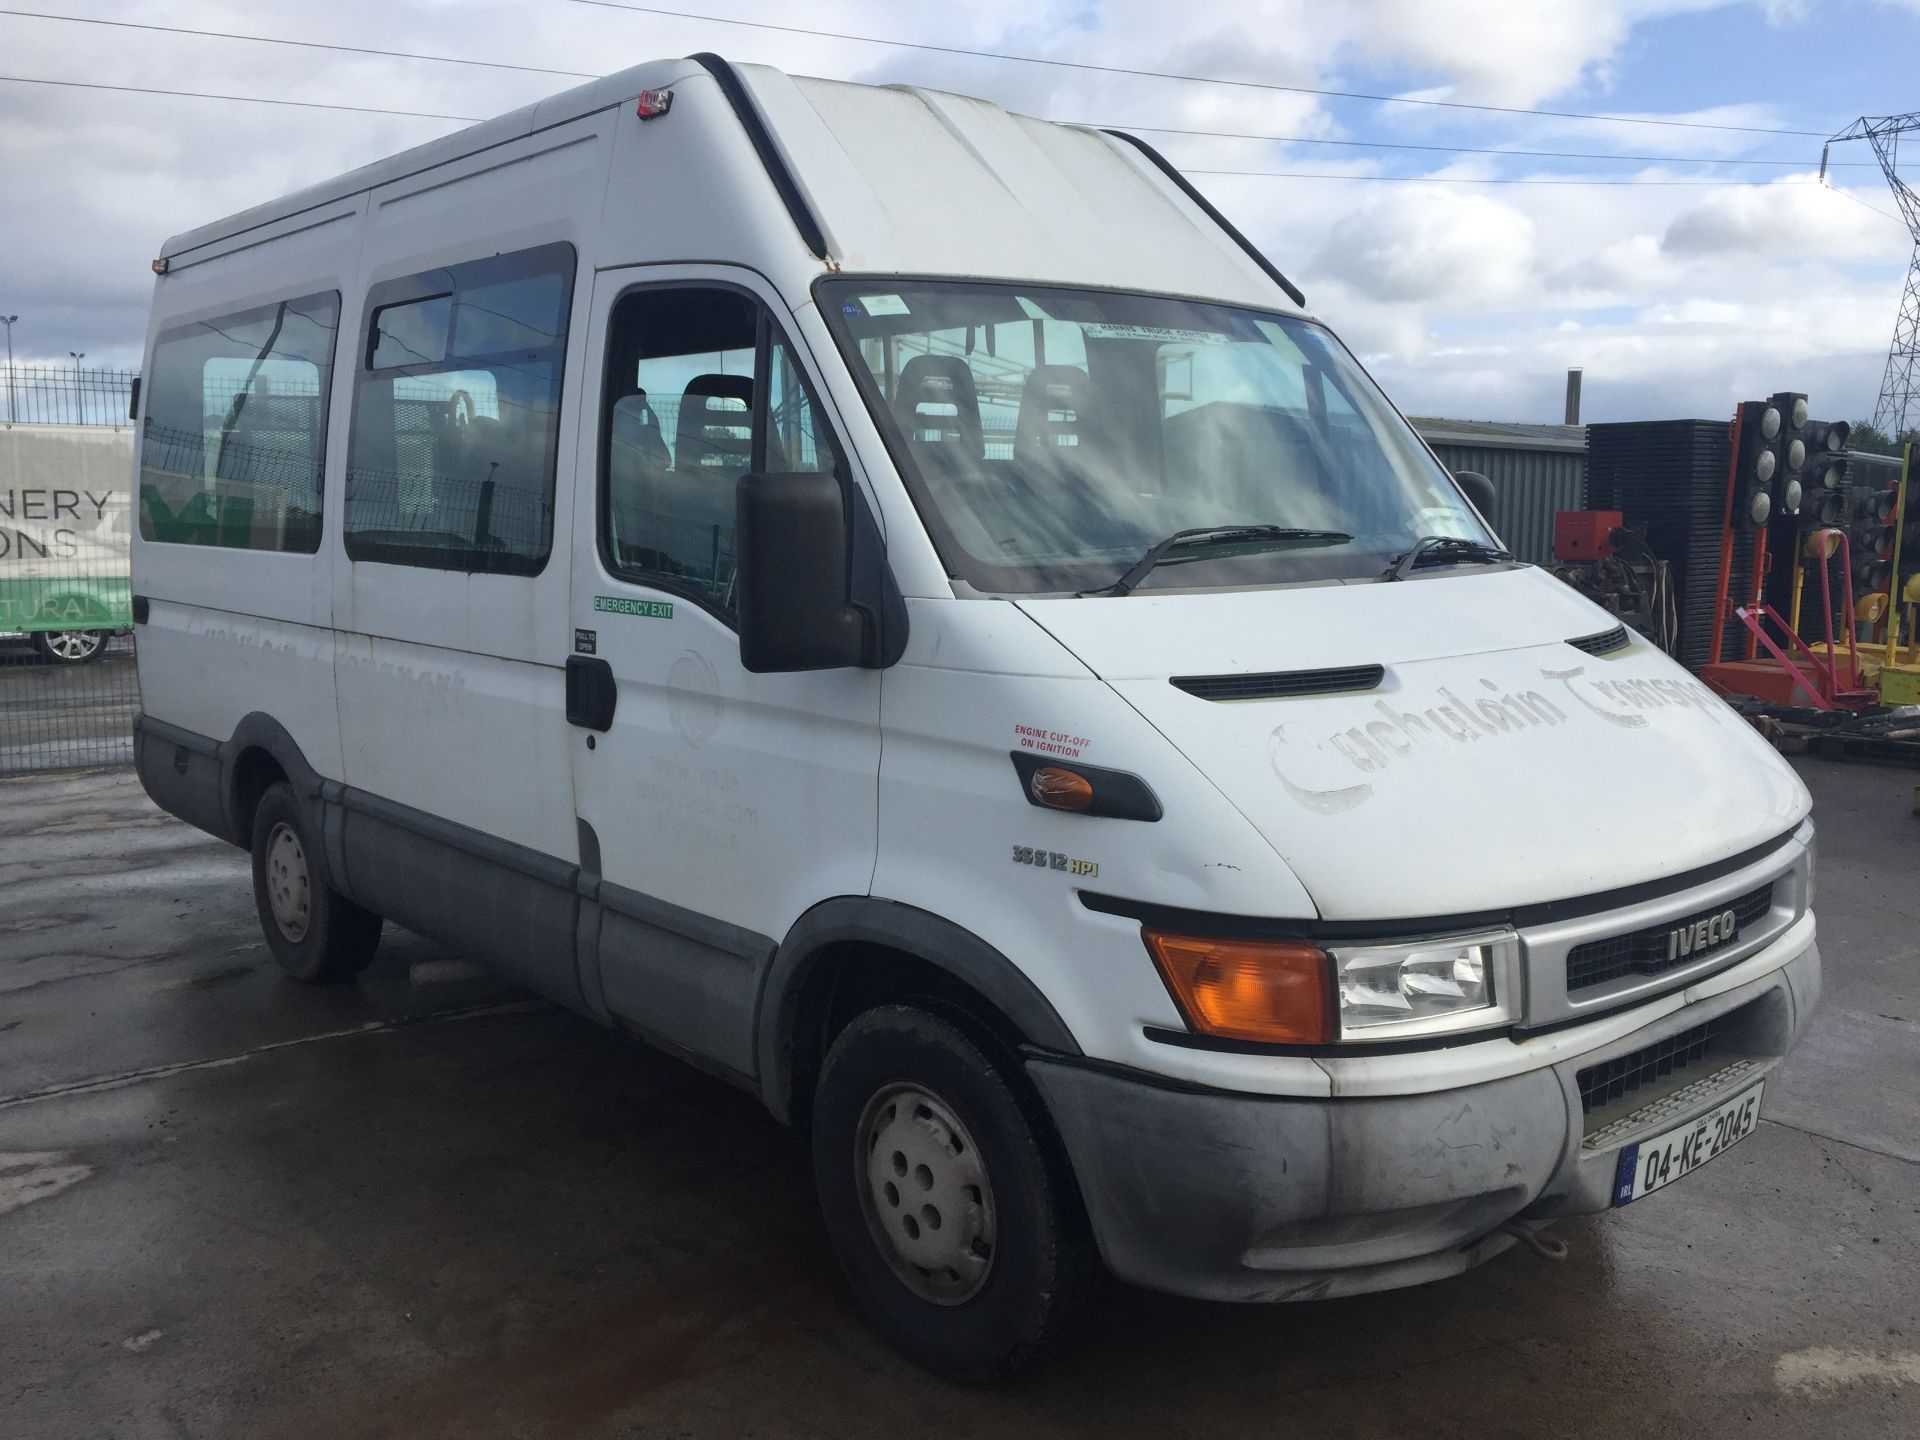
[{"x": 591, "y": 693}]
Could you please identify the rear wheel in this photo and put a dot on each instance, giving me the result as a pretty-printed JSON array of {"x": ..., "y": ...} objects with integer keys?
[
  {"x": 70, "y": 647},
  {"x": 315, "y": 933},
  {"x": 948, "y": 1200}
]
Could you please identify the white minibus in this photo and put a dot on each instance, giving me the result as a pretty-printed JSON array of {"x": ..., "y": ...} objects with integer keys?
[{"x": 901, "y": 605}]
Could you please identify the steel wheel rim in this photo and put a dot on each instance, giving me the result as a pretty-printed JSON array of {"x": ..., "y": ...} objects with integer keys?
[
  {"x": 289, "y": 883},
  {"x": 72, "y": 644},
  {"x": 925, "y": 1192}
]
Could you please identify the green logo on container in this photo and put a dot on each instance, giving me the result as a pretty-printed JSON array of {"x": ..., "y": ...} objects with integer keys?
[{"x": 645, "y": 609}]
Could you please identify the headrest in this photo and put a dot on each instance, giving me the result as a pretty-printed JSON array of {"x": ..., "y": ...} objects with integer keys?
[
  {"x": 733, "y": 387},
  {"x": 1053, "y": 407},
  {"x": 937, "y": 403},
  {"x": 707, "y": 433}
]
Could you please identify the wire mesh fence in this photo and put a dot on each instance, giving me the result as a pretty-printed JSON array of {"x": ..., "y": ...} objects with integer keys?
[
  {"x": 68, "y": 689},
  {"x": 63, "y": 395}
]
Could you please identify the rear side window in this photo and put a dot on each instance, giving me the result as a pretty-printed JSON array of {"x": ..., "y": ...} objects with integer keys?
[
  {"x": 234, "y": 428},
  {"x": 456, "y": 418}
]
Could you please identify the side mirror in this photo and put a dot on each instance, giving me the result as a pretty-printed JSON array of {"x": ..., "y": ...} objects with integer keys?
[
  {"x": 1481, "y": 492},
  {"x": 796, "y": 606}
]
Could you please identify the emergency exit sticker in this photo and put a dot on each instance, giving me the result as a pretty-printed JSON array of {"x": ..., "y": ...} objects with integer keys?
[{"x": 645, "y": 609}]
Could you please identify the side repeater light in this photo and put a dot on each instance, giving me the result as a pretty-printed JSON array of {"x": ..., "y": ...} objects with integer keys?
[
  {"x": 1084, "y": 789},
  {"x": 1060, "y": 789},
  {"x": 653, "y": 104}
]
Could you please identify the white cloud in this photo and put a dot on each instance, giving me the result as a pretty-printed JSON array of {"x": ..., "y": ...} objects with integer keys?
[
  {"x": 1519, "y": 56},
  {"x": 1430, "y": 242},
  {"x": 1791, "y": 217}
]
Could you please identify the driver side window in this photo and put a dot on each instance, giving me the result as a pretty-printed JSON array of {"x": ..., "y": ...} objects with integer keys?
[{"x": 700, "y": 392}]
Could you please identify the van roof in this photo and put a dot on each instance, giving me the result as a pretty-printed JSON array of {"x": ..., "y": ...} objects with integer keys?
[{"x": 900, "y": 180}]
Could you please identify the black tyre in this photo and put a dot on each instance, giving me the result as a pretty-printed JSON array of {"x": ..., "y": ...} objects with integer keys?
[
  {"x": 947, "y": 1197},
  {"x": 70, "y": 647},
  {"x": 316, "y": 933}
]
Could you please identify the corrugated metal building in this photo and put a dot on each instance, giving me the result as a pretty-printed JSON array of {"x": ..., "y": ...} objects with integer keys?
[{"x": 1536, "y": 470}]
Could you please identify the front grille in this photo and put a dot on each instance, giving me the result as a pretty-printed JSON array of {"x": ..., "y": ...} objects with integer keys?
[
  {"x": 1650, "y": 952},
  {"x": 1605, "y": 643},
  {"x": 1280, "y": 684},
  {"x": 1618, "y": 1078}
]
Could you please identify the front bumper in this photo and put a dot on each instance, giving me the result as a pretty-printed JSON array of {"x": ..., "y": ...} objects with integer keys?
[{"x": 1255, "y": 1198}]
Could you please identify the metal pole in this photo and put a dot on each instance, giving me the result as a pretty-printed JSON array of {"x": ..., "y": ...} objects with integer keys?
[
  {"x": 1720, "y": 606},
  {"x": 8, "y": 320},
  {"x": 79, "y": 395}
]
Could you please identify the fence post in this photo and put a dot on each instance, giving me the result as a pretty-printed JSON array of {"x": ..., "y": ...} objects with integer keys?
[{"x": 7, "y": 320}]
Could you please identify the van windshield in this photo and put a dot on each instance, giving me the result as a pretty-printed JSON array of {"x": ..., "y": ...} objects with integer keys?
[{"x": 1051, "y": 436}]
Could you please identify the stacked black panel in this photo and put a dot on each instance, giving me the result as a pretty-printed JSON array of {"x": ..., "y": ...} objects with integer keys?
[{"x": 1669, "y": 479}]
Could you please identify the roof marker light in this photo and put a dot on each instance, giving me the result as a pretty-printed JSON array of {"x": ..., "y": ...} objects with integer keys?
[{"x": 653, "y": 104}]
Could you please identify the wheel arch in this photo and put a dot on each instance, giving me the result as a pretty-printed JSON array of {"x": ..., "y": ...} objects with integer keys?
[
  {"x": 843, "y": 938},
  {"x": 260, "y": 752}
]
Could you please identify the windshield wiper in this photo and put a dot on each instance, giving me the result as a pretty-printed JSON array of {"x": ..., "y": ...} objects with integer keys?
[
  {"x": 1208, "y": 536},
  {"x": 1443, "y": 549}
]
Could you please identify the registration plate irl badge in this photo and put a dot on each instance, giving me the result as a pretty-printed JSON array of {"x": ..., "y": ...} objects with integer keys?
[{"x": 1649, "y": 1164}]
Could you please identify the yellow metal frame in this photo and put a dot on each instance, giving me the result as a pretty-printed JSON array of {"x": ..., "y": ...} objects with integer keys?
[
  {"x": 1893, "y": 578},
  {"x": 1899, "y": 678}
]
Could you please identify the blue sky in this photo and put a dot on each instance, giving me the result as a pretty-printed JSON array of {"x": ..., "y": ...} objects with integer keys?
[
  {"x": 1467, "y": 299},
  {"x": 1818, "y": 64}
]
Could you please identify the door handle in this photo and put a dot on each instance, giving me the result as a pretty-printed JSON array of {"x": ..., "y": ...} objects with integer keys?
[{"x": 591, "y": 693}]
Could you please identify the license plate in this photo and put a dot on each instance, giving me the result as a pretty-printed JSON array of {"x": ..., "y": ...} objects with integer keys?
[{"x": 1649, "y": 1164}]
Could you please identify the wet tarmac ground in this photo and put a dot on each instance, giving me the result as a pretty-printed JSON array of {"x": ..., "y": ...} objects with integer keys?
[{"x": 428, "y": 1206}]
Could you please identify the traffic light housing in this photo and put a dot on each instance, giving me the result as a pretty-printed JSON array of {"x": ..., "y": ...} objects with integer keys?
[
  {"x": 1789, "y": 480},
  {"x": 1870, "y": 536},
  {"x": 1825, "y": 500},
  {"x": 1757, "y": 465}
]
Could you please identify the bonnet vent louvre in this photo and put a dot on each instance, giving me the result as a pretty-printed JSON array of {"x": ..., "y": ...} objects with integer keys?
[
  {"x": 1281, "y": 684},
  {"x": 1605, "y": 643}
]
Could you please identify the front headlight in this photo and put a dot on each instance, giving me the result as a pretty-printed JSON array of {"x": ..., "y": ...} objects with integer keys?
[
  {"x": 1296, "y": 992},
  {"x": 1426, "y": 987}
]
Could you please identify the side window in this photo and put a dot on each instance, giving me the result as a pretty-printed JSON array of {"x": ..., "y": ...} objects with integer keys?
[
  {"x": 797, "y": 438},
  {"x": 456, "y": 418},
  {"x": 234, "y": 428},
  {"x": 698, "y": 394}
]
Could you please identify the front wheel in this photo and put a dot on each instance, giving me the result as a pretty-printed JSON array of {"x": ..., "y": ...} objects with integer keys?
[
  {"x": 947, "y": 1197},
  {"x": 316, "y": 933},
  {"x": 70, "y": 647}
]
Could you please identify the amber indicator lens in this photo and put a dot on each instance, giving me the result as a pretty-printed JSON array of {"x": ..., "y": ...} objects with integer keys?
[
  {"x": 1275, "y": 991},
  {"x": 1060, "y": 789}
]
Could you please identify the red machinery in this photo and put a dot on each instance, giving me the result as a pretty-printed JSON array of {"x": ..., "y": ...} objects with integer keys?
[
  {"x": 1585, "y": 534},
  {"x": 1597, "y": 554},
  {"x": 1790, "y": 672}
]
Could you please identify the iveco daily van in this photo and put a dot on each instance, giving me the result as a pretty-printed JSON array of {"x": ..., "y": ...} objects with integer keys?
[{"x": 899, "y": 604}]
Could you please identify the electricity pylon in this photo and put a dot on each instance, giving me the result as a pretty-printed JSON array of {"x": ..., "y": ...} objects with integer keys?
[{"x": 1896, "y": 402}]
